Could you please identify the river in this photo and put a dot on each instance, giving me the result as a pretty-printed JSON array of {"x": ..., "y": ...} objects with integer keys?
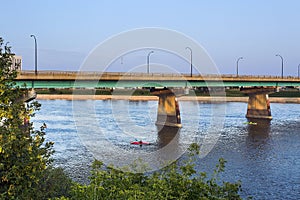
[{"x": 265, "y": 157}]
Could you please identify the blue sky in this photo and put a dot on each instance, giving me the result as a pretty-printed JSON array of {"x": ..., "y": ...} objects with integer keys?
[{"x": 68, "y": 30}]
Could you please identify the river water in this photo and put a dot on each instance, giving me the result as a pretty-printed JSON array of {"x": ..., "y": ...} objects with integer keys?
[{"x": 265, "y": 157}]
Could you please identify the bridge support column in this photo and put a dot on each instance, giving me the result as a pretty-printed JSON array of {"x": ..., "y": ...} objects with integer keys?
[
  {"x": 168, "y": 113},
  {"x": 258, "y": 103}
]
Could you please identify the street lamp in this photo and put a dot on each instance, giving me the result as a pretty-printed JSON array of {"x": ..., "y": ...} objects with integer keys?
[
  {"x": 35, "y": 49},
  {"x": 298, "y": 70},
  {"x": 191, "y": 59},
  {"x": 281, "y": 64},
  {"x": 148, "y": 57},
  {"x": 237, "y": 66}
]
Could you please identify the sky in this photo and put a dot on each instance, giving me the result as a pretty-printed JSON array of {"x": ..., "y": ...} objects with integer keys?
[{"x": 67, "y": 30}]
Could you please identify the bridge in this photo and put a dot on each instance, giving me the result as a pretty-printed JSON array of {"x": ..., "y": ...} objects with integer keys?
[
  {"x": 256, "y": 87},
  {"x": 64, "y": 79}
]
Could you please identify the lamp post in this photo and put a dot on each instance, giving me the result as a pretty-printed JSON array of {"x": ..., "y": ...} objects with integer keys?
[
  {"x": 35, "y": 49},
  {"x": 281, "y": 64},
  {"x": 237, "y": 66},
  {"x": 191, "y": 62},
  {"x": 298, "y": 70},
  {"x": 148, "y": 61}
]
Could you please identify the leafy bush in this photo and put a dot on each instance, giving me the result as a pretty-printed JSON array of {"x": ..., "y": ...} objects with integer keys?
[
  {"x": 54, "y": 183},
  {"x": 173, "y": 182}
]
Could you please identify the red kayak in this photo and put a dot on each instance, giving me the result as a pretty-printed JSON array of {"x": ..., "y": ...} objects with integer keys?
[{"x": 140, "y": 143}]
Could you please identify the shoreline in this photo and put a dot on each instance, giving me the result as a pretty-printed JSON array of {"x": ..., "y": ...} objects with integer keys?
[{"x": 155, "y": 98}]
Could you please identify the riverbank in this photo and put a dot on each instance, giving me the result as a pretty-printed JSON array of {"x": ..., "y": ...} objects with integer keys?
[{"x": 155, "y": 98}]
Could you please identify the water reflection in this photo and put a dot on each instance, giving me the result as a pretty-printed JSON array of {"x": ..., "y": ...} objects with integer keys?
[
  {"x": 258, "y": 130},
  {"x": 167, "y": 136}
]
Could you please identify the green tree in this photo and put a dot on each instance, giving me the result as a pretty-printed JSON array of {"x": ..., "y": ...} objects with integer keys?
[{"x": 24, "y": 154}]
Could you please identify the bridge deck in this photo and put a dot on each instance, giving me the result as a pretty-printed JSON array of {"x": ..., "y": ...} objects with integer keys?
[{"x": 62, "y": 79}]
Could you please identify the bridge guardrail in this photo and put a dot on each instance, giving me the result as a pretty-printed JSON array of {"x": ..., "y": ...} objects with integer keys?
[{"x": 139, "y": 74}]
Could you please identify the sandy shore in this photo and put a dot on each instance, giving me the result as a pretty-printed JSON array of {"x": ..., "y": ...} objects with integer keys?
[{"x": 155, "y": 98}]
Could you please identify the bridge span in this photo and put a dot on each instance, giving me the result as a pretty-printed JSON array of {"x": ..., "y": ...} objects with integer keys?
[
  {"x": 69, "y": 79},
  {"x": 256, "y": 87}
]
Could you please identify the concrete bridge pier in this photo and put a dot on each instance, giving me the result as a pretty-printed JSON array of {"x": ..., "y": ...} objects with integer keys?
[
  {"x": 168, "y": 113},
  {"x": 258, "y": 103}
]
